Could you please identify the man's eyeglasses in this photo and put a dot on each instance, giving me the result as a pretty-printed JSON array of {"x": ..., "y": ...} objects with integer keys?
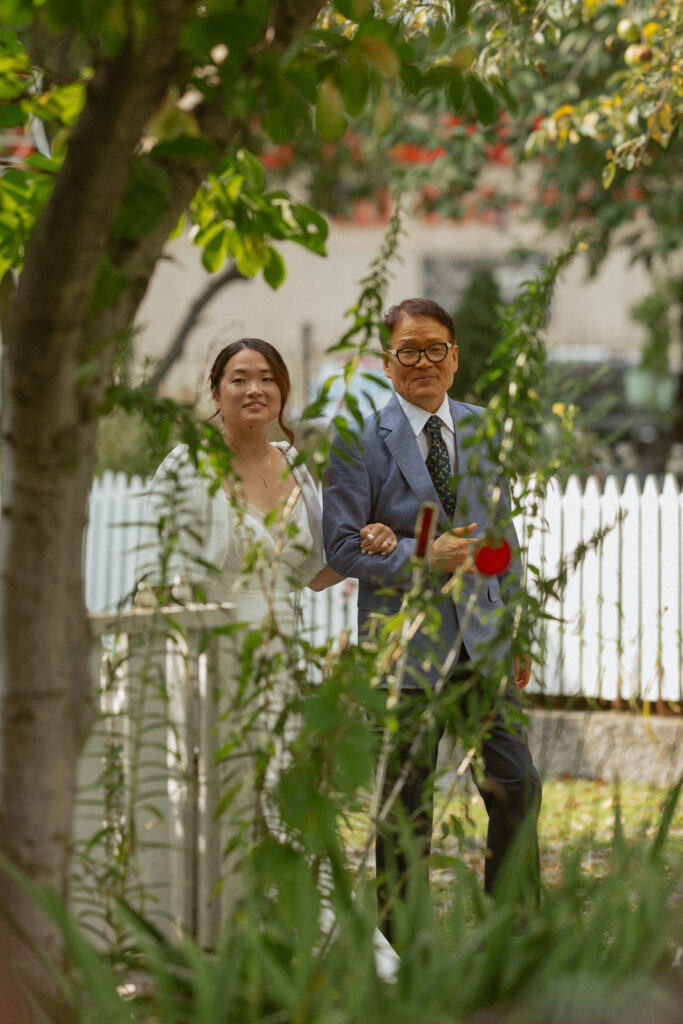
[{"x": 435, "y": 353}]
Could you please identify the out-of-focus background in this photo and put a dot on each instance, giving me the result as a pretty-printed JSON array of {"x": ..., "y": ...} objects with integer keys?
[{"x": 594, "y": 340}]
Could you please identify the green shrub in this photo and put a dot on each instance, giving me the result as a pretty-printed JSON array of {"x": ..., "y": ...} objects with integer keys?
[{"x": 128, "y": 443}]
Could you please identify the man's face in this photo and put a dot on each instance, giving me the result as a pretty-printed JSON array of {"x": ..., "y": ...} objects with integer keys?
[{"x": 426, "y": 383}]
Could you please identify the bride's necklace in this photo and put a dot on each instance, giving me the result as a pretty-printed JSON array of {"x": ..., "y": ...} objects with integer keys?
[
  {"x": 258, "y": 472},
  {"x": 262, "y": 475}
]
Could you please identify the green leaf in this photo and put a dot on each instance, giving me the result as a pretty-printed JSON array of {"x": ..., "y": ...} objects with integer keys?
[
  {"x": 287, "y": 114},
  {"x": 462, "y": 11},
  {"x": 110, "y": 283},
  {"x": 200, "y": 34},
  {"x": 437, "y": 34},
  {"x": 330, "y": 119},
  {"x": 186, "y": 148},
  {"x": 667, "y": 817},
  {"x": 112, "y": 23},
  {"x": 354, "y": 83},
  {"x": 274, "y": 271},
  {"x": 314, "y": 227},
  {"x": 17, "y": 12},
  {"x": 39, "y": 162},
  {"x": 412, "y": 78},
  {"x": 12, "y": 116},
  {"x": 22, "y": 197},
  {"x": 145, "y": 201},
  {"x": 252, "y": 170},
  {"x": 438, "y": 75},
  {"x": 63, "y": 13},
  {"x": 484, "y": 103},
  {"x": 503, "y": 90},
  {"x": 456, "y": 90},
  {"x": 63, "y": 103},
  {"x": 248, "y": 252},
  {"x": 608, "y": 172},
  {"x": 180, "y": 226},
  {"x": 384, "y": 111},
  {"x": 381, "y": 54},
  {"x": 354, "y": 10},
  {"x": 215, "y": 252}
]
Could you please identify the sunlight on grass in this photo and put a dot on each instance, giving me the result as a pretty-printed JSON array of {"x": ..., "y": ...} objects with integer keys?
[{"x": 574, "y": 812}]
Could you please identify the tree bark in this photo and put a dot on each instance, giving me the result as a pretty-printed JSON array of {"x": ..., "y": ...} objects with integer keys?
[{"x": 57, "y": 364}]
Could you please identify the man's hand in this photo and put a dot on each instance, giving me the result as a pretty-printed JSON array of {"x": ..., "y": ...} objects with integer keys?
[
  {"x": 454, "y": 550},
  {"x": 522, "y": 671}
]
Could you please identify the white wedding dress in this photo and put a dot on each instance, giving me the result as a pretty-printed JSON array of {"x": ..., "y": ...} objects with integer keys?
[
  {"x": 195, "y": 533},
  {"x": 259, "y": 566},
  {"x": 261, "y": 577}
]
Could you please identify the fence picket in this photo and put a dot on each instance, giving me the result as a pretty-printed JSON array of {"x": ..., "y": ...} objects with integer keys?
[
  {"x": 609, "y": 586},
  {"x": 620, "y": 620},
  {"x": 548, "y": 675},
  {"x": 630, "y": 675},
  {"x": 671, "y": 590},
  {"x": 572, "y": 518},
  {"x": 590, "y": 621},
  {"x": 650, "y": 618},
  {"x": 114, "y": 519}
]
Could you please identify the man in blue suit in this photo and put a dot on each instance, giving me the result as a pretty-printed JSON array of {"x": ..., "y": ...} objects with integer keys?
[{"x": 419, "y": 448}]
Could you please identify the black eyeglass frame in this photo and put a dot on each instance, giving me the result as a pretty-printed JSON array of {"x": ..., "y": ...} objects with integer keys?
[{"x": 420, "y": 351}]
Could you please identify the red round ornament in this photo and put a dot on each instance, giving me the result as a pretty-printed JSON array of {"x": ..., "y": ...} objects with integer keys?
[{"x": 491, "y": 559}]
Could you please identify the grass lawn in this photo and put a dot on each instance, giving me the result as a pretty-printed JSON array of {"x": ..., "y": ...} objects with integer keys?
[{"x": 575, "y": 812}]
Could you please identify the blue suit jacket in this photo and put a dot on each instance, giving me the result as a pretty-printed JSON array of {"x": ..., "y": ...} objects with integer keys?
[{"x": 382, "y": 477}]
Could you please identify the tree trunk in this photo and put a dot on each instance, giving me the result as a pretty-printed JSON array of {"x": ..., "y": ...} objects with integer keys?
[
  {"x": 53, "y": 378},
  {"x": 56, "y": 367}
]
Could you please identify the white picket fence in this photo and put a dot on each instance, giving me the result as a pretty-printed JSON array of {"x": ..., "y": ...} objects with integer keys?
[
  {"x": 617, "y": 630},
  {"x": 149, "y": 770}
]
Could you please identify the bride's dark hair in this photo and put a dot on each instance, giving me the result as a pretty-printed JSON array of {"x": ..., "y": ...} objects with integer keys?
[{"x": 275, "y": 362}]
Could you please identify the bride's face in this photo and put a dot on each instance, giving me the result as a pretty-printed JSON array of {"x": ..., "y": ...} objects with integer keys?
[{"x": 248, "y": 395}]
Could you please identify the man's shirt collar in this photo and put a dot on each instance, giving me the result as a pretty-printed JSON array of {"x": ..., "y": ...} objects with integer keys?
[{"x": 417, "y": 416}]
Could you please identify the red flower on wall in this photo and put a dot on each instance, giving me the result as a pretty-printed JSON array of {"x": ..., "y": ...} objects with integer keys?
[
  {"x": 550, "y": 195},
  {"x": 354, "y": 147},
  {"x": 431, "y": 192},
  {"x": 450, "y": 120},
  {"x": 634, "y": 192},
  {"x": 498, "y": 153},
  {"x": 411, "y": 153},
  {"x": 278, "y": 158}
]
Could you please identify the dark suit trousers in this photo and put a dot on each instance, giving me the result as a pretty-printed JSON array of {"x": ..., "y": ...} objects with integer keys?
[{"x": 510, "y": 787}]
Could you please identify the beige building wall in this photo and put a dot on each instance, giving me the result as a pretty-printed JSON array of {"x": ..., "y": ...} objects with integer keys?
[{"x": 308, "y": 313}]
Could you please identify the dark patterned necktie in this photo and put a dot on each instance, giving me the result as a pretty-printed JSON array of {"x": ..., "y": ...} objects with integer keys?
[{"x": 439, "y": 465}]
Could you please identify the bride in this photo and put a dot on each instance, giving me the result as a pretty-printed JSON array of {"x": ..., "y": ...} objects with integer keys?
[
  {"x": 249, "y": 534},
  {"x": 266, "y": 498}
]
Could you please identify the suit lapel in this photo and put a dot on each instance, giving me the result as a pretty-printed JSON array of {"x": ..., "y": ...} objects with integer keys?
[
  {"x": 464, "y": 424},
  {"x": 469, "y": 459},
  {"x": 402, "y": 444}
]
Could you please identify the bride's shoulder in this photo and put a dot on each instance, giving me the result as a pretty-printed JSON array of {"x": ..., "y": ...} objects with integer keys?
[{"x": 287, "y": 451}]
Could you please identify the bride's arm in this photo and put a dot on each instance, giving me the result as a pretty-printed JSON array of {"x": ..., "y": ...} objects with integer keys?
[
  {"x": 375, "y": 539},
  {"x": 327, "y": 577}
]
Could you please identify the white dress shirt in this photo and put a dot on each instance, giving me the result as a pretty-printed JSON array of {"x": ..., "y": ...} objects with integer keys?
[{"x": 417, "y": 417}]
